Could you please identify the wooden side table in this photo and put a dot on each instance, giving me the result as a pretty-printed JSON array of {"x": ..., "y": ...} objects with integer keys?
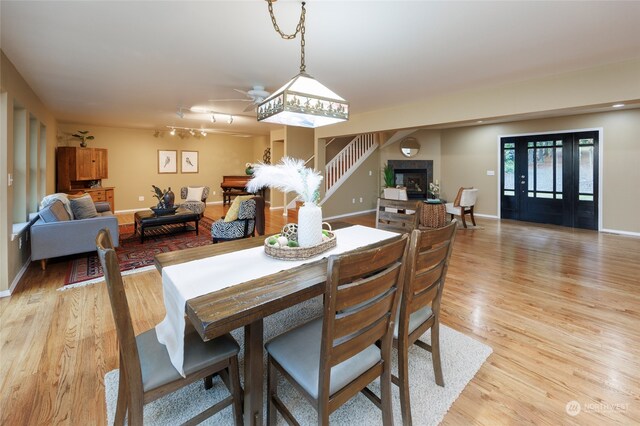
[{"x": 433, "y": 215}]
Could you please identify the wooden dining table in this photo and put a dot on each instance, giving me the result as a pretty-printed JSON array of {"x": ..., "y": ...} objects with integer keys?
[{"x": 245, "y": 305}]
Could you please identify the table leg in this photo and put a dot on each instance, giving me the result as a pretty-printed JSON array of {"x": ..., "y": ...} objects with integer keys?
[
  {"x": 253, "y": 373},
  {"x": 197, "y": 227},
  {"x": 141, "y": 233}
]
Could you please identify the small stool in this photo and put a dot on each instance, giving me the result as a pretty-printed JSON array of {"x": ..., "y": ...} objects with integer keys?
[{"x": 433, "y": 215}]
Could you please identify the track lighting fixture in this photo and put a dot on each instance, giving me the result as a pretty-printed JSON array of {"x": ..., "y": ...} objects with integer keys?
[
  {"x": 180, "y": 113},
  {"x": 213, "y": 118},
  {"x": 203, "y": 133},
  {"x": 192, "y": 132},
  {"x": 172, "y": 132},
  {"x": 230, "y": 120}
]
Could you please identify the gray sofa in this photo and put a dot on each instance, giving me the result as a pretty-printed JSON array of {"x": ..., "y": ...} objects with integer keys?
[{"x": 60, "y": 235}]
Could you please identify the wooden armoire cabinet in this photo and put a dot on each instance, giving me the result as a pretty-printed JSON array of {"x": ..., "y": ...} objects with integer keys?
[{"x": 80, "y": 168}]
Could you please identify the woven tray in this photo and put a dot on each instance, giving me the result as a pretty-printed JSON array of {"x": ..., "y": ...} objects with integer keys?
[{"x": 298, "y": 253}]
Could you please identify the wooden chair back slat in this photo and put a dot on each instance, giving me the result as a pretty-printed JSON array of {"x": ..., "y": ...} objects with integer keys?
[
  {"x": 424, "y": 298},
  {"x": 346, "y": 350},
  {"x": 348, "y": 323},
  {"x": 363, "y": 290},
  {"x": 397, "y": 215},
  {"x": 427, "y": 279},
  {"x": 360, "y": 263},
  {"x": 432, "y": 258}
]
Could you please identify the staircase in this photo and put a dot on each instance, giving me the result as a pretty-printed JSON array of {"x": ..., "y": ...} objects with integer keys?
[{"x": 338, "y": 170}]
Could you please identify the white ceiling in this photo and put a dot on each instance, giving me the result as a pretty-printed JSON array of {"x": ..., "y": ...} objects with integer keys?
[{"x": 133, "y": 63}]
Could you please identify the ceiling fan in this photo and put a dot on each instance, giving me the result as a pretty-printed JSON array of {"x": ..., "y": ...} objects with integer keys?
[{"x": 255, "y": 95}]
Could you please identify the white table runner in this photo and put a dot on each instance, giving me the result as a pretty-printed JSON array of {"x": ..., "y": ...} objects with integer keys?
[{"x": 192, "y": 279}]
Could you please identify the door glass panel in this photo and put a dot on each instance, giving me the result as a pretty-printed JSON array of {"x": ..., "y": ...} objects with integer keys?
[
  {"x": 586, "y": 170},
  {"x": 585, "y": 197},
  {"x": 509, "y": 193},
  {"x": 559, "y": 143},
  {"x": 544, "y": 143},
  {"x": 585, "y": 141},
  {"x": 509, "y": 167},
  {"x": 530, "y": 167},
  {"x": 558, "y": 196},
  {"x": 544, "y": 169},
  {"x": 530, "y": 195},
  {"x": 544, "y": 195},
  {"x": 559, "y": 169}
]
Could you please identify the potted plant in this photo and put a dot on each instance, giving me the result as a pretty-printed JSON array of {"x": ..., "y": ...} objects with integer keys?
[
  {"x": 389, "y": 176},
  {"x": 83, "y": 135}
]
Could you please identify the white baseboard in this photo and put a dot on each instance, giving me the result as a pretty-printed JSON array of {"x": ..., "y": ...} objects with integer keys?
[
  {"x": 348, "y": 214},
  {"x": 276, "y": 208},
  {"x": 489, "y": 216},
  {"x": 617, "y": 231},
  {"x": 16, "y": 280}
]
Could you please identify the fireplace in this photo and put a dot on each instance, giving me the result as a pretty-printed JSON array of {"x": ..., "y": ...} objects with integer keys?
[{"x": 415, "y": 175}]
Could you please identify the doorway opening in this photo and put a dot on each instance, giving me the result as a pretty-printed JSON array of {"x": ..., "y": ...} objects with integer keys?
[{"x": 551, "y": 178}]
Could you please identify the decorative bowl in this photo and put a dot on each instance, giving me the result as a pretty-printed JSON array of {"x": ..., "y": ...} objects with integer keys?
[{"x": 164, "y": 211}]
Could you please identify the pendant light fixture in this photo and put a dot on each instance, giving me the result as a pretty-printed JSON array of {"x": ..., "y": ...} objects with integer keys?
[{"x": 303, "y": 101}]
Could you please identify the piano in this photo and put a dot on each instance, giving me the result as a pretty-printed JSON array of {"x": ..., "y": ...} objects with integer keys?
[{"x": 236, "y": 185}]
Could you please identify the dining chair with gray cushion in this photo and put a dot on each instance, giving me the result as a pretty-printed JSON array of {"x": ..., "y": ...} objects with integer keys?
[
  {"x": 427, "y": 264},
  {"x": 463, "y": 205},
  {"x": 331, "y": 359},
  {"x": 195, "y": 198},
  {"x": 398, "y": 215},
  {"x": 146, "y": 372}
]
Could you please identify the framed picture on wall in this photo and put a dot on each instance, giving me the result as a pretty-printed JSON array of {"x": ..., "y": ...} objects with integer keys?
[
  {"x": 189, "y": 161},
  {"x": 167, "y": 161}
]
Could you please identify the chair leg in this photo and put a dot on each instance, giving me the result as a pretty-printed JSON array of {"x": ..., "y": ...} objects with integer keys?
[
  {"x": 385, "y": 395},
  {"x": 208, "y": 382},
  {"x": 435, "y": 352},
  {"x": 236, "y": 390},
  {"x": 272, "y": 389},
  {"x": 43, "y": 264},
  {"x": 473, "y": 219},
  {"x": 403, "y": 376},
  {"x": 123, "y": 399},
  {"x": 462, "y": 217}
]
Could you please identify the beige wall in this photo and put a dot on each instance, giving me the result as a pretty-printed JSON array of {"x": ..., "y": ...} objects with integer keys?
[
  {"x": 364, "y": 182},
  {"x": 429, "y": 150},
  {"x": 467, "y": 154},
  {"x": 16, "y": 92},
  {"x": 594, "y": 86},
  {"x": 133, "y": 161}
]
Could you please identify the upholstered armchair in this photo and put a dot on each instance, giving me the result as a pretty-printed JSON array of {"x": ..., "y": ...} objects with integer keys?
[
  {"x": 463, "y": 204},
  {"x": 195, "y": 198},
  {"x": 244, "y": 219}
]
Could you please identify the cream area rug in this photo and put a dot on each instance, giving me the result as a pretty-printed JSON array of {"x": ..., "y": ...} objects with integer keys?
[{"x": 462, "y": 357}]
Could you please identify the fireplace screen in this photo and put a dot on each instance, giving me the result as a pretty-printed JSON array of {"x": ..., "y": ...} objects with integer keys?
[{"x": 415, "y": 182}]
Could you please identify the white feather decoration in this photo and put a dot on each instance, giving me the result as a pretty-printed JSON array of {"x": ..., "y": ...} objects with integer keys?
[{"x": 290, "y": 175}]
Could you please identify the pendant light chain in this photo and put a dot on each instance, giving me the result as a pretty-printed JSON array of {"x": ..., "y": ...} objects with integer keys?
[{"x": 299, "y": 29}]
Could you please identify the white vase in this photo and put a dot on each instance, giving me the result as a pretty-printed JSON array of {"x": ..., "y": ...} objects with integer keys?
[{"x": 309, "y": 225}]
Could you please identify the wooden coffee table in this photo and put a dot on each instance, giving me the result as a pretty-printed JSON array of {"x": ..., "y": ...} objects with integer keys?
[{"x": 148, "y": 219}]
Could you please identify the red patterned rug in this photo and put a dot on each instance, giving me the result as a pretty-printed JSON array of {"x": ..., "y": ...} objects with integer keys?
[{"x": 134, "y": 256}]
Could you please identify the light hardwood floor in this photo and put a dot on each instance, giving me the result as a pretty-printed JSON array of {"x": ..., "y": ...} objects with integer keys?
[{"x": 559, "y": 307}]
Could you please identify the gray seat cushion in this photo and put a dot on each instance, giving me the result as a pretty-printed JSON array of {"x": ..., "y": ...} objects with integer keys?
[
  {"x": 416, "y": 318},
  {"x": 298, "y": 352},
  {"x": 156, "y": 366}
]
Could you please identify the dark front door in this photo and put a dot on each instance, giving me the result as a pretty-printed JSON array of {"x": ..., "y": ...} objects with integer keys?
[{"x": 551, "y": 179}]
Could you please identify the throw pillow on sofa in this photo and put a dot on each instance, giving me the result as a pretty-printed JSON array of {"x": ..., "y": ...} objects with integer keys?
[
  {"x": 54, "y": 212},
  {"x": 83, "y": 207}
]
